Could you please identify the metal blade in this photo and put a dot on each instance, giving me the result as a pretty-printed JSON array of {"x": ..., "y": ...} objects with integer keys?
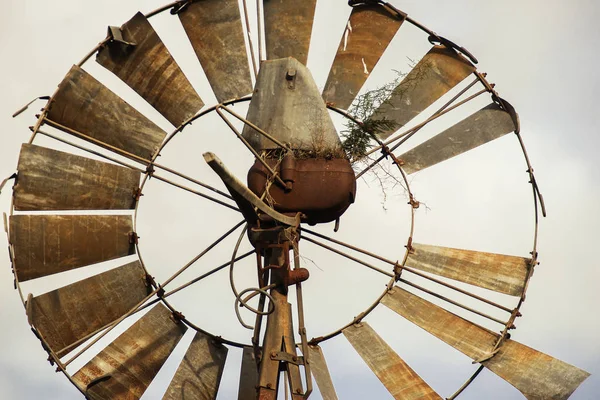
[
  {"x": 47, "y": 244},
  {"x": 133, "y": 359},
  {"x": 487, "y": 124},
  {"x": 248, "y": 375},
  {"x": 65, "y": 315},
  {"x": 398, "y": 378},
  {"x": 318, "y": 367},
  {"x": 215, "y": 30},
  {"x": 439, "y": 70},
  {"x": 148, "y": 68},
  {"x": 53, "y": 180},
  {"x": 199, "y": 374},
  {"x": 536, "y": 375},
  {"x": 87, "y": 106},
  {"x": 504, "y": 274},
  {"x": 288, "y": 28},
  {"x": 369, "y": 30}
]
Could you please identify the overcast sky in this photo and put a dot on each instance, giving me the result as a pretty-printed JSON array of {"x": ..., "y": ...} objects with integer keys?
[{"x": 541, "y": 55}]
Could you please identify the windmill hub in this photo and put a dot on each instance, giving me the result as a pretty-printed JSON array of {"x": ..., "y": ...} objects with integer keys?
[{"x": 319, "y": 180}]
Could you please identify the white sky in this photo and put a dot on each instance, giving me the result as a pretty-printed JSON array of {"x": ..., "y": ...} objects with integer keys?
[{"x": 541, "y": 55}]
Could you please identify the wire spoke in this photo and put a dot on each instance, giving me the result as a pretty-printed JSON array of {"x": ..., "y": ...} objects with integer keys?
[
  {"x": 158, "y": 291},
  {"x": 408, "y": 269},
  {"x": 160, "y": 178}
]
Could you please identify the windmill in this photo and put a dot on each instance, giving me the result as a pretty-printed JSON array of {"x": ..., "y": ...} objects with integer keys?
[{"x": 122, "y": 49}]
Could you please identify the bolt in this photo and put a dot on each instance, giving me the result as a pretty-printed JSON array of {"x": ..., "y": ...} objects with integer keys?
[
  {"x": 269, "y": 386},
  {"x": 294, "y": 358},
  {"x": 273, "y": 354},
  {"x": 299, "y": 391}
]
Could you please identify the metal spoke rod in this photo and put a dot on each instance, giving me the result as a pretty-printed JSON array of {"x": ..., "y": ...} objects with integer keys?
[
  {"x": 341, "y": 253},
  {"x": 159, "y": 289},
  {"x": 256, "y": 155},
  {"x": 160, "y": 178},
  {"x": 134, "y": 157},
  {"x": 411, "y": 270}
]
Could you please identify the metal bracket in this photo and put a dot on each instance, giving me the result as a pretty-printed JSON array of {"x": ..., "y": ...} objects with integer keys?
[
  {"x": 116, "y": 35},
  {"x": 450, "y": 44},
  {"x": 287, "y": 357}
]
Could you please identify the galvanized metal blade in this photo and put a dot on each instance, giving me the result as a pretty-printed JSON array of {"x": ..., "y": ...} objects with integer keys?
[
  {"x": 439, "y": 70},
  {"x": 85, "y": 105},
  {"x": 215, "y": 30},
  {"x": 398, "y": 378},
  {"x": 248, "y": 375},
  {"x": 535, "y": 374},
  {"x": 287, "y": 105},
  {"x": 500, "y": 273},
  {"x": 288, "y": 28},
  {"x": 53, "y": 180},
  {"x": 319, "y": 370},
  {"x": 147, "y": 67},
  {"x": 199, "y": 374},
  {"x": 487, "y": 124},
  {"x": 130, "y": 363},
  {"x": 47, "y": 244},
  {"x": 370, "y": 29},
  {"x": 66, "y": 315}
]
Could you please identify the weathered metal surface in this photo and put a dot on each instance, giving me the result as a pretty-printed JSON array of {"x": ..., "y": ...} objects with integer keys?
[
  {"x": 215, "y": 30},
  {"x": 288, "y": 28},
  {"x": 472, "y": 340},
  {"x": 501, "y": 273},
  {"x": 535, "y": 374},
  {"x": 487, "y": 124},
  {"x": 248, "y": 375},
  {"x": 53, "y": 180},
  {"x": 65, "y": 315},
  {"x": 398, "y": 378},
  {"x": 199, "y": 374},
  {"x": 134, "y": 358},
  {"x": 48, "y": 244},
  {"x": 439, "y": 70},
  {"x": 319, "y": 370},
  {"x": 279, "y": 335},
  {"x": 149, "y": 69},
  {"x": 368, "y": 33},
  {"x": 87, "y": 106},
  {"x": 311, "y": 178},
  {"x": 287, "y": 105},
  {"x": 246, "y": 199}
]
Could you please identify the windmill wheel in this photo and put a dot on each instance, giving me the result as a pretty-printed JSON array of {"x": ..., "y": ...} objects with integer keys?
[{"x": 306, "y": 217}]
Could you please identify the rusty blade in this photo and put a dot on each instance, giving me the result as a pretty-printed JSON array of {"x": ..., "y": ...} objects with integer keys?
[
  {"x": 398, "y": 378},
  {"x": 248, "y": 375},
  {"x": 501, "y": 273},
  {"x": 87, "y": 106},
  {"x": 199, "y": 374},
  {"x": 65, "y": 315},
  {"x": 215, "y": 30},
  {"x": 369, "y": 30},
  {"x": 487, "y": 124},
  {"x": 319, "y": 370},
  {"x": 439, "y": 70},
  {"x": 53, "y": 180},
  {"x": 47, "y": 244},
  {"x": 148, "y": 68},
  {"x": 133, "y": 359},
  {"x": 536, "y": 375},
  {"x": 288, "y": 28}
]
